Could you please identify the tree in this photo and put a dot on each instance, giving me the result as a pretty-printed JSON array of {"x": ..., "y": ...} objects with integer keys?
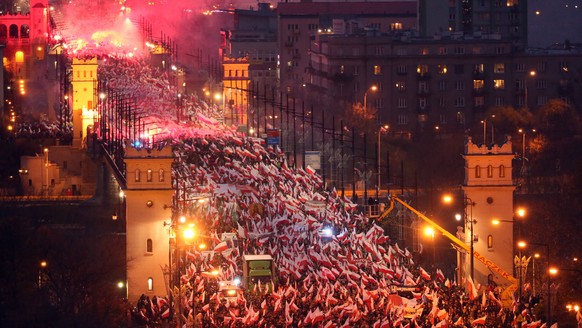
[{"x": 557, "y": 120}]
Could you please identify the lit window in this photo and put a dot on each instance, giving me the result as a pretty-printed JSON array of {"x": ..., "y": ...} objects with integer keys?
[
  {"x": 422, "y": 70},
  {"x": 499, "y": 68},
  {"x": 489, "y": 171},
  {"x": 150, "y": 284},
  {"x": 490, "y": 241},
  {"x": 377, "y": 70},
  {"x": 161, "y": 173},
  {"x": 442, "y": 69},
  {"x": 499, "y": 84},
  {"x": 478, "y": 84},
  {"x": 137, "y": 175},
  {"x": 401, "y": 86},
  {"x": 149, "y": 175}
]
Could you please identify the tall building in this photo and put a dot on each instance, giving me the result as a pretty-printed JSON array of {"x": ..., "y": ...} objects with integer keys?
[
  {"x": 300, "y": 23},
  {"x": 423, "y": 83},
  {"x": 507, "y": 19},
  {"x": 249, "y": 56}
]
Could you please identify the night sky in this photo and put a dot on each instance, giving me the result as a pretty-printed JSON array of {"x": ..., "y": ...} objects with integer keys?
[{"x": 554, "y": 21}]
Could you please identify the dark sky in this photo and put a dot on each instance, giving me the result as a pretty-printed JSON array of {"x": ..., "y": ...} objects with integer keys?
[{"x": 553, "y": 21}]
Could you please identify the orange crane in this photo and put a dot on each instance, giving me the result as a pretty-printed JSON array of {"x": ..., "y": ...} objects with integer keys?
[{"x": 511, "y": 284}]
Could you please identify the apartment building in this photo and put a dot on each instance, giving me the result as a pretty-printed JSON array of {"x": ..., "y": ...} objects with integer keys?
[
  {"x": 444, "y": 82},
  {"x": 300, "y": 22}
]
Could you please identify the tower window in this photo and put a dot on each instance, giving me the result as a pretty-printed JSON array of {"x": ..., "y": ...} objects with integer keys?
[
  {"x": 150, "y": 284},
  {"x": 490, "y": 242},
  {"x": 149, "y": 175},
  {"x": 489, "y": 171},
  {"x": 149, "y": 245},
  {"x": 137, "y": 175},
  {"x": 477, "y": 171},
  {"x": 161, "y": 177},
  {"x": 502, "y": 171}
]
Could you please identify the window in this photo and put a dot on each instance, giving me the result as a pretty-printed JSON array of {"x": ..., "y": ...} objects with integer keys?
[
  {"x": 149, "y": 175},
  {"x": 542, "y": 100},
  {"x": 356, "y": 70},
  {"x": 149, "y": 245},
  {"x": 377, "y": 70},
  {"x": 490, "y": 241},
  {"x": 402, "y": 119},
  {"x": 401, "y": 102},
  {"x": 490, "y": 171},
  {"x": 442, "y": 51},
  {"x": 460, "y": 102},
  {"x": 519, "y": 85},
  {"x": 499, "y": 84},
  {"x": 499, "y": 50},
  {"x": 502, "y": 171},
  {"x": 459, "y": 51},
  {"x": 150, "y": 284},
  {"x": 161, "y": 177},
  {"x": 479, "y": 68},
  {"x": 379, "y": 51},
  {"x": 137, "y": 175},
  {"x": 499, "y": 101},
  {"x": 476, "y": 50},
  {"x": 460, "y": 85},
  {"x": 477, "y": 171},
  {"x": 478, "y": 84},
  {"x": 24, "y": 31},
  {"x": 341, "y": 69},
  {"x": 380, "y": 102},
  {"x": 401, "y": 86},
  {"x": 401, "y": 69},
  {"x": 519, "y": 67},
  {"x": 422, "y": 70},
  {"x": 541, "y": 67},
  {"x": 442, "y": 102},
  {"x": 442, "y": 69},
  {"x": 422, "y": 87},
  {"x": 422, "y": 103},
  {"x": 442, "y": 85},
  {"x": 13, "y": 32},
  {"x": 499, "y": 68},
  {"x": 401, "y": 52},
  {"x": 541, "y": 84},
  {"x": 479, "y": 101},
  {"x": 443, "y": 119},
  {"x": 396, "y": 26},
  {"x": 424, "y": 51}
]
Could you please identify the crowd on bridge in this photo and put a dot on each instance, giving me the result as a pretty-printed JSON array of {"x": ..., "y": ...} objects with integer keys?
[{"x": 343, "y": 280}]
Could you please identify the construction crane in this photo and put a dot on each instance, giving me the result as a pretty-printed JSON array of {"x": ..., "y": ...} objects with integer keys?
[{"x": 510, "y": 283}]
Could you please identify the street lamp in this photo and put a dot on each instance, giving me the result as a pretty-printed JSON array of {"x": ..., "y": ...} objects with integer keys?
[
  {"x": 523, "y": 148},
  {"x": 373, "y": 89},
  {"x": 551, "y": 271},
  {"x": 520, "y": 263},
  {"x": 467, "y": 219},
  {"x": 382, "y": 128}
]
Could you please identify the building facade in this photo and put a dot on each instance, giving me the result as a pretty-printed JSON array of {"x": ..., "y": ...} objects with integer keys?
[
  {"x": 439, "y": 82},
  {"x": 300, "y": 23}
]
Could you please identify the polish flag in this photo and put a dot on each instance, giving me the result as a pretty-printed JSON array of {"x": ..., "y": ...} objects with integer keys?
[
  {"x": 424, "y": 274},
  {"x": 222, "y": 246},
  {"x": 471, "y": 289}
]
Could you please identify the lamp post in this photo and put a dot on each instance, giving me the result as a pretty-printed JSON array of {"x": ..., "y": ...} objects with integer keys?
[
  {"x": 467, "y": 220},
  {"x": 382, "y": 128},
  {"x": 550, "y": 272},
  {"x": 520, "y": 264},
  {"x": 373, "y": 89}
]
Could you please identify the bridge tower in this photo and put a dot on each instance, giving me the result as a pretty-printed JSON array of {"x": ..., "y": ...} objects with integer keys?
[
  {"x": 148, "y": 198},
  {"x": 488, "y": 191},
  {"x": 84, "y": 81}
]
